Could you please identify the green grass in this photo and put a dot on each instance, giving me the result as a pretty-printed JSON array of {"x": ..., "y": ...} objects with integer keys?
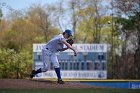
[{"x": 70, "y": 91}]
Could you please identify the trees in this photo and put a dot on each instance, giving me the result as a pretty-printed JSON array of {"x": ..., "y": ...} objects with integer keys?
[
  {"x": 127, "y": 12},
  {"x": 16, "y": 41},
  {"x": 41, "y": 17},
  {"x": 88, "y": 20},
  {"x": 91, "y": 22},
  {"x": 13, "y": 64},
  {"x": 0, "y": 17},
  {"x": 0, "y": 14}
]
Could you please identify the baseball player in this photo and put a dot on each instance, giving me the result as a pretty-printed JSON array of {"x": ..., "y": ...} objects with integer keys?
[{"x": 55, "y": 45}]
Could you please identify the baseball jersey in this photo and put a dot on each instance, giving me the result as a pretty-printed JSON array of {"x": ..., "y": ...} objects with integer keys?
[{"x": 55, "y": 43}]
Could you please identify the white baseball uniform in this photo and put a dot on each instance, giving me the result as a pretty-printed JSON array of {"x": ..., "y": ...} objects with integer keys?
[{"x": 50, "y": 50}]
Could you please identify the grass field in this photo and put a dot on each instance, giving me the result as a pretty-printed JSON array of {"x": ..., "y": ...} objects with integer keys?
[{"x": 98, "y": 90}]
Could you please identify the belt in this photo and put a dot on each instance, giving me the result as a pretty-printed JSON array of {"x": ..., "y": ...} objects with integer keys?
[{"x": 49, "y": 50}]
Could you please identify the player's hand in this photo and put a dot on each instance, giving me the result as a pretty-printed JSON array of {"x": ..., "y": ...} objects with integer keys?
[{"x": 75, "y": 53}]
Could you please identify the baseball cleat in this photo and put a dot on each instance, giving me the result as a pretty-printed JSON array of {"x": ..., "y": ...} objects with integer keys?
[
  {"x": 32, "y": 74},
  {"x": 60, "y": 82}
]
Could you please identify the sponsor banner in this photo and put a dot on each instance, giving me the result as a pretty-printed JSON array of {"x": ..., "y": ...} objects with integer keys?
[
  {"x": 78, "y": 47},
  {"x": 75, "y": 74},
  {"x": 134, "y": 85}
]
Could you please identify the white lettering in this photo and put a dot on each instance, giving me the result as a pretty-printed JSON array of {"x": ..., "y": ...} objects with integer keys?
[
  {"x": 74, "y": 74},
  {"x": 135, "y": 86},
  {"x": 78, "y": 47}
]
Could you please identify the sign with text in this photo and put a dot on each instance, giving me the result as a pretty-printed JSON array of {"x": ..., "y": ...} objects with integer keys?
[
  {"x": 134, "y": 85},
  {"x": 78, "y": 47},
  {"x": 75, "y": 74},
  {"x": 90, "y": 62}
]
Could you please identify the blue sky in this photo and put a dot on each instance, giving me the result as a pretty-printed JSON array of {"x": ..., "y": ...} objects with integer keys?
[
  {"x": 6, "y": 5},
  {"x": 14, "y": 5}
]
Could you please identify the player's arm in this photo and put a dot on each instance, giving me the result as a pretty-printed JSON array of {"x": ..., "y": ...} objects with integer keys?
[
  {"x": 63, "y": 49},
  {"x": 70, "y": 47}
]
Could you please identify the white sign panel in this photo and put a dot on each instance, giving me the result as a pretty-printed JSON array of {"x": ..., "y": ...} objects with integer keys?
[
  {"x": 75, "y": 74},
  {"x": 78, "y": 47},
  {"x": 38, "y": 47}
]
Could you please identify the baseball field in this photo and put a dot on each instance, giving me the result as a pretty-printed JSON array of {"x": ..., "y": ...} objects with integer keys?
[{"x": 34, "y": 86}]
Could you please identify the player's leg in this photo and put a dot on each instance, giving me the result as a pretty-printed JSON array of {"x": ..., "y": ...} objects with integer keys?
[
  {"x": 45, "y": 59},
  {"x": 55, "y": 62},
  {"x": 45, "y": 66}
]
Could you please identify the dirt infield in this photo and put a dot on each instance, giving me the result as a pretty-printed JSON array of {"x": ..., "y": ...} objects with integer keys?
[{"x": 37, "y": 84}]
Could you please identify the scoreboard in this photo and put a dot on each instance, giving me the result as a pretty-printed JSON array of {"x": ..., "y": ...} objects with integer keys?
[{"x": 90, "y": 62}]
